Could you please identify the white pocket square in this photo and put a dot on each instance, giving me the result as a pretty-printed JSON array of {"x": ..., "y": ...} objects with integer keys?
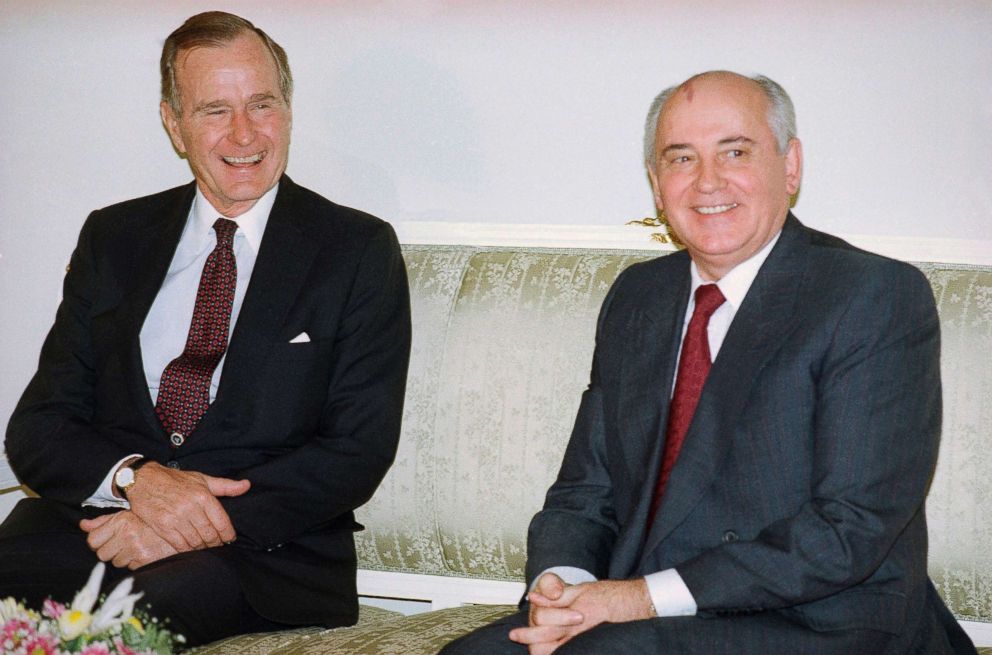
[{"x": 302, "y": 337}]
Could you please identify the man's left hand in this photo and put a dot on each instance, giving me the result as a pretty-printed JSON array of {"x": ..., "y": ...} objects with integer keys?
[
  {"x": 615, "y": 601},
  {"x": 125, "y": 540},
  {"x": 182, "y": 507}
]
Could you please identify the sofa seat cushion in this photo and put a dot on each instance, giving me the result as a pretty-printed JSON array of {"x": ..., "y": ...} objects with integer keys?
[
  {"x": 378, "y": 632},
  {"x": 416, "y": 634},
  {"x": 278, "y": 642}
]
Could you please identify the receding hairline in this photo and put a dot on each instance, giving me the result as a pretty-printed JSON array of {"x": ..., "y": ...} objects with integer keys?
[
  {"x": 687, "y": 88},
  {"x": 182, "y": 54},
  {"x": 778, "y": 108},
  {"x": 215, "y": 29}
]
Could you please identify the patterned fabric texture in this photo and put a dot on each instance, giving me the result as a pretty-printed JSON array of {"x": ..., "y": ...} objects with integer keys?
[
  {"x": 184, "y": 392},
  {"x": 959, "y": 507},
  {"x": 379, "y": 632},
  {"x": 502, "y": 344}
]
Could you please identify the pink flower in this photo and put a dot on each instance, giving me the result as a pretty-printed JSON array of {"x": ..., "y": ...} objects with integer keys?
[
  {"x": 51, "y": 609},
  {"x": 16, "y": 630},
  {"x": 40, "y": 645},
  {"x": 122, "y": 648},
  {"x": 95, "y": 649}
]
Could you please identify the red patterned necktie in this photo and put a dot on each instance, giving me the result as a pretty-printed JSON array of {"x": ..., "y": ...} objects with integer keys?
[
  {"x": 694, "y": 366},
  {"x": 184, "y": 391}
]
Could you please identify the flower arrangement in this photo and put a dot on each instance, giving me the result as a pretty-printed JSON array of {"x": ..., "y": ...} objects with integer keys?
[{"x": 113, "y": 628}]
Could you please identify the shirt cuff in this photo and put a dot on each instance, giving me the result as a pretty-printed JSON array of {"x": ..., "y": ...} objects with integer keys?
[
  {"x": 104, "y": 494},
  {"x": 568, "y": 574},
  {"x": 669, "y": 595}
]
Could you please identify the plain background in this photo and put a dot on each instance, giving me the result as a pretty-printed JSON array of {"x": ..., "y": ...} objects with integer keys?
[{"x": 491, "y": 112}]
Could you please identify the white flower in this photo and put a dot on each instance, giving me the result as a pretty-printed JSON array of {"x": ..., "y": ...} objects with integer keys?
[
  {"x": 75, "y": 620},
  {"x": 73, "y": 623},
  {"x": 11, "y": 609},
  {"x": 86, "y": 597},
  {"x": 117, "y": 608}
]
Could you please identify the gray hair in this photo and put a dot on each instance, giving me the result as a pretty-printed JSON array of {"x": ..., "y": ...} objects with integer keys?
[{"x": 781, "y": 113}]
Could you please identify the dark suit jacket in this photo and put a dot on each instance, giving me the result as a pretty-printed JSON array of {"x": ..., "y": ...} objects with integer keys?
[
  {"x": 800, "y": 486},
  {"x": 313, "y": 426}
]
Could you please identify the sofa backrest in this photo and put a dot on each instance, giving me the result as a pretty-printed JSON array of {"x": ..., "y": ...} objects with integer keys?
[{"x": 502, "y": 344}]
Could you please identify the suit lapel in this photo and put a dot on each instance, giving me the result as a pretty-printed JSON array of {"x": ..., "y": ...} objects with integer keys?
[
  {"x": 648, "y": 372},
  {"x": 280, "y": 270},
  {"x": 756, "y": 334},
  {"x": 150, "y": 263}
]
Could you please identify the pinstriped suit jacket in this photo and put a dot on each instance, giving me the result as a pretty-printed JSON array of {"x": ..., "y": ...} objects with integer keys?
[{"x": 800, "y": 486}]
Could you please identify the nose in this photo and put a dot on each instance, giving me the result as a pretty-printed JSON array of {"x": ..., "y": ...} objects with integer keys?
[
  {"x": 242, "y": 128},
  {"x": 709, "y": 177}
]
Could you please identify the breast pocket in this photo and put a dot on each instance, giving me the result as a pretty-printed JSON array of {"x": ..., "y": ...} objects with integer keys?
[{"x": 289, "y": 352}]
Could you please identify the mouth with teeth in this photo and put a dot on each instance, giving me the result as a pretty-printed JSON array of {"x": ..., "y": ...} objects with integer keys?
[
  {"x": 250, "y": 160},
  {"x": 715, "y": 209}
]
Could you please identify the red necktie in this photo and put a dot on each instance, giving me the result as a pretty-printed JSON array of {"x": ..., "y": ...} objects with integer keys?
[
  {"x": 694, "y": 366},
  {"x": 184, "y": 391}
]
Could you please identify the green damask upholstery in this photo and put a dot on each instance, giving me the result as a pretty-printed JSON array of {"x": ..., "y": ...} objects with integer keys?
[
  {"x": 959, "y": 507},
  {"x": 287, "y": 640},
  {"x": 502, "y": 343}
]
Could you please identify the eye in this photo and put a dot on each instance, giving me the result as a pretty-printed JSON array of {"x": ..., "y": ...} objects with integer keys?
[{"x": 734, "y": 154}]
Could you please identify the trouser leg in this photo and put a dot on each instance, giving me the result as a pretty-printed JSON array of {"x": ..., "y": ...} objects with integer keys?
[
  {"x": 490, "y": 639},
  {"x": 43, "y": 553}
]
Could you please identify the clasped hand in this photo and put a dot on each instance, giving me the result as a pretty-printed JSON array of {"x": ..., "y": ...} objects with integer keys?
[
  {"x": 171, "y": 512},
  {"x": 559, "y": 611}
]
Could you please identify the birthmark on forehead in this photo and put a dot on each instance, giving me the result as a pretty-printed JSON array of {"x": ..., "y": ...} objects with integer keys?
[{"x": 688, "y": 90}]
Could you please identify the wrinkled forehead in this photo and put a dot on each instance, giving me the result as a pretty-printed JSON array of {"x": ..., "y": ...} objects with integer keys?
[
  {"x": 714, "y": 100},
  {"x": 245, "y": 48}
]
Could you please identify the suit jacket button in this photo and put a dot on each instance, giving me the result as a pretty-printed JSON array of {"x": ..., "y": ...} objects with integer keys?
[
  {"x": 173, "y": 464},
  {"x": 729, "y": 537},
  {"x": 177, "y": 439}
]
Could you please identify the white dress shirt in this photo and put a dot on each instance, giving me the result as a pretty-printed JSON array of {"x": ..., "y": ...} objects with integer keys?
[
  {"x": 669, "y": 594},
  {"x": 164, "y": 332}
]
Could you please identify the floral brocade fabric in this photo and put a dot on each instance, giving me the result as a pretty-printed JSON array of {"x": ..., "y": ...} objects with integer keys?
[{"x": 502, "y": 345}]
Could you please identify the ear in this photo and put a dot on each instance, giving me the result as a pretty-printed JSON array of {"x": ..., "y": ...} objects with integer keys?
[
  {"x": 171, "y": 122},
  {"x": 793, "y": 166},
  {"x": 655, "y": 187}
]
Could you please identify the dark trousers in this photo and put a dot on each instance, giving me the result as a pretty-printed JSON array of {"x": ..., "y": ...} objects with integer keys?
[
  {"x": 767, "y": 634},
  {"x": 43, "y": 553}
]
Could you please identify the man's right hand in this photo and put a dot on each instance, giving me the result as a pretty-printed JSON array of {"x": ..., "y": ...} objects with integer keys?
[
  {"x": 124, "y": 540},
  {"x": 549, "y": 627},
  {"x": 182, "y": 506},
  {"x": 559, "y": 611}
]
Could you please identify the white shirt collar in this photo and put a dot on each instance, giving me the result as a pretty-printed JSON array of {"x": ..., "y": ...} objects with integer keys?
[
  {"x": 736, "y": 283},
  {"x": 252, "y": 223}
]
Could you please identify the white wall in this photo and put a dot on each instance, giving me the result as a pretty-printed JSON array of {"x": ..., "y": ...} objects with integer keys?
[{"x": 527, "y": 112}]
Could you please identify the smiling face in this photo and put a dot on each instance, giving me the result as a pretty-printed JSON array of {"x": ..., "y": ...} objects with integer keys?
[
  {"x": 234, "y": 126},
  {"x": 718, "y": 176}
]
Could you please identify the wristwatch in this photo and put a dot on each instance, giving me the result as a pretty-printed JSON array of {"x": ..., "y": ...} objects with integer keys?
[{"x": 124, "y": 479}]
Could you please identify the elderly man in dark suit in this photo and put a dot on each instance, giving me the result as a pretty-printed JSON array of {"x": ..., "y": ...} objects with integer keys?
[
  {"x": 749, "y": 464},
  {"x": 224, "y": 381}
]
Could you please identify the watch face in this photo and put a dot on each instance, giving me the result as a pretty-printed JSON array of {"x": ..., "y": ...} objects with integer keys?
[{"x": 124, "y": 478}]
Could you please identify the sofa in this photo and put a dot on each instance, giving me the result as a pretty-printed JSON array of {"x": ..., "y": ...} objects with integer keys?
[{"x": 503, "y": 338}]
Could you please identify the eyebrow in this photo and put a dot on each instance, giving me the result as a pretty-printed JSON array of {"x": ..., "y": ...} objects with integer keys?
[
  {"x": 214, "y": 104},
  {"x": 735, "y": 139},
  {"x": 262, "y": 96},
  {"x": 674, "y": 147},
  {"x": 210, "y": 105}
]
